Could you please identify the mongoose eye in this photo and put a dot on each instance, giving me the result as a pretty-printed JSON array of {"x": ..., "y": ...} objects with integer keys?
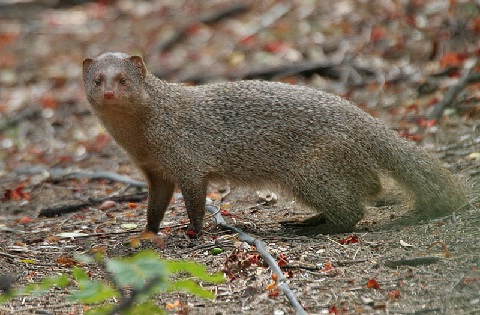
[
  {"x": 123, "y": 81},
  {"x": 98, "y": 81}
]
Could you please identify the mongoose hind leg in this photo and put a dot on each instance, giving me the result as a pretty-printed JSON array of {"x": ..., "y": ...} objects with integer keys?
[
  {"x": 194, "y": 192},
  {"x": 317, "y": 224},
  {"x": 339, "y": 206},
  {"x": 160, "y": 191}
]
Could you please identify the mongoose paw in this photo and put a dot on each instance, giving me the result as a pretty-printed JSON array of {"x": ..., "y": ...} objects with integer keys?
[
  {"x": 323, "y": 229},
  {"x": 150, "y": 230},
  {"x": 309, "y": 222},
  {"x": 313, "y": 226}
]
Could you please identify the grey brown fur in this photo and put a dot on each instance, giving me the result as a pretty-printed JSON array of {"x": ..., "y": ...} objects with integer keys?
[{"x": 323, "y": 149}]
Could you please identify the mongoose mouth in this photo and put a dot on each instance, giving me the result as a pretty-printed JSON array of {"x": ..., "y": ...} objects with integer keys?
[{"x": 111, "y": 106}]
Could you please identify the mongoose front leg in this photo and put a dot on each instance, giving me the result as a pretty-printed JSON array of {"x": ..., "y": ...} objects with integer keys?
[
  {"x": 160, "y": 191},
  {"x": 194, "y": 196}
]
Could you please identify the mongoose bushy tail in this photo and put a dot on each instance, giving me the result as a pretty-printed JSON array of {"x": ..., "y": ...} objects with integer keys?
[
  {"x": 435, "y": 191},
  {"x": 322, "y": 148}
]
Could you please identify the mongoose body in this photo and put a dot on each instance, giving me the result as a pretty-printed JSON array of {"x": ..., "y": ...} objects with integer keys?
[{"x": 322, "y": 148}]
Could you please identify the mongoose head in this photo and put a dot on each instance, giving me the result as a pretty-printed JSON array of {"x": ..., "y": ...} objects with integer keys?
[{"x": 114, "y": 81}]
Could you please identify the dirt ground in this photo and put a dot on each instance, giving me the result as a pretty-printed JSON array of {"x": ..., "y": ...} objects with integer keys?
[{"x": 395, "y": 59}]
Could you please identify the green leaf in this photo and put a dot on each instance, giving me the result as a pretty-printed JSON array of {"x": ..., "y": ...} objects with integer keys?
[
  {"x": 100, "y": 310},
  {"x": 216, "y": 251},
  {"x": 80, "y": 274},
  {"x": 135, "y": 270},
  {"x": 93, "y": 292},
  {"x": 146, "y": 308},
  {"x": 190, "y": 286},
  {"x": 37, "y": 289},
  {"x": 7, "y": 296},
  {"x": 138, "y": 309},
  {"x": 196, "y": 270}
]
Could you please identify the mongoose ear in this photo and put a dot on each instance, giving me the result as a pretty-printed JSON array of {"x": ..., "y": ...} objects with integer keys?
[
  {"x": 86, "y": 65},
  {"x": 138, "y": 62}
]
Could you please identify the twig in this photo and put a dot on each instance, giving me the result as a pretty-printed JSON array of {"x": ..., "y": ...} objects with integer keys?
[
  {"x": 126, "y": 301},
  {"x": 214, "y": 17},
  {"x": 350, "y": 262},
  {"x": 304, "y": 267},
  {"x": 412, "y": 261},
  {"x": 454, "y": 90},
  {"x": 59, "y": 174},
  {"x": 209, "y": 18},
  {"x": 7, "y": 255},
  {"x": 59, "y": 210},
  {"x": 473, "y": 78},
  {"x": 306, "y": 68},
  {"x": 109, "y": 233},
  {"x": 268, "y": 18},
  {"x": 282, "y": 281}
]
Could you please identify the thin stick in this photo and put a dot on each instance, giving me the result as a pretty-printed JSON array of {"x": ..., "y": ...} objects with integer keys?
[
  {"x": 59, "y": 210},
  {"x": 454, "y": 90},
  {"x": 58, "y": 174},
  {"x": 282, "y": 281}
]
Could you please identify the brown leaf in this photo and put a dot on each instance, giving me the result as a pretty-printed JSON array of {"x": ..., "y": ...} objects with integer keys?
[
  {"x": 283, "y": 261},
  {"x": 66, "y": 261},
  {"x": 373, "y": 284},
  {"x": 352, "y": 239}
]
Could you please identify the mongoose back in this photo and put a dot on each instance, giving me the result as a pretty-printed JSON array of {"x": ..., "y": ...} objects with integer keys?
[{"x": 322, "y": 148}]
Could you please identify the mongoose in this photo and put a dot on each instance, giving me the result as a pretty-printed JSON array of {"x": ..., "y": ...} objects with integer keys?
[{"x": 320, "y": 147}]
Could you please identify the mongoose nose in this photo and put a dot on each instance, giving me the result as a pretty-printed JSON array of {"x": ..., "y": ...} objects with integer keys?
[{"x": 109, "y": 95}]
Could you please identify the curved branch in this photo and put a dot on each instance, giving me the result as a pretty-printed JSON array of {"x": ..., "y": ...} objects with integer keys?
[{"x": 282, "y": 281}]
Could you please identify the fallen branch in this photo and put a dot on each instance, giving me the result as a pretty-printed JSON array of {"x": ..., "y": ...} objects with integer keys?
[
  {"x": 59, "y": 210},
  {"x": 8, "y": 255},
  {"x": 350, "y": 262},
  {"x": 260, "y": 246},
  {"x": 304, "y": 267},
  {"x": 454, "y": 90},
  {"x": 208, "y": 18},
  {"x": 306, "y": 68},
  {"x": 473, "y": 78},
  {"x": 268, "y": 18},
  {"x": 105, "y": 175},
  {"x": 60, "y": 174},
  {"x": 417, "y": 261}
]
